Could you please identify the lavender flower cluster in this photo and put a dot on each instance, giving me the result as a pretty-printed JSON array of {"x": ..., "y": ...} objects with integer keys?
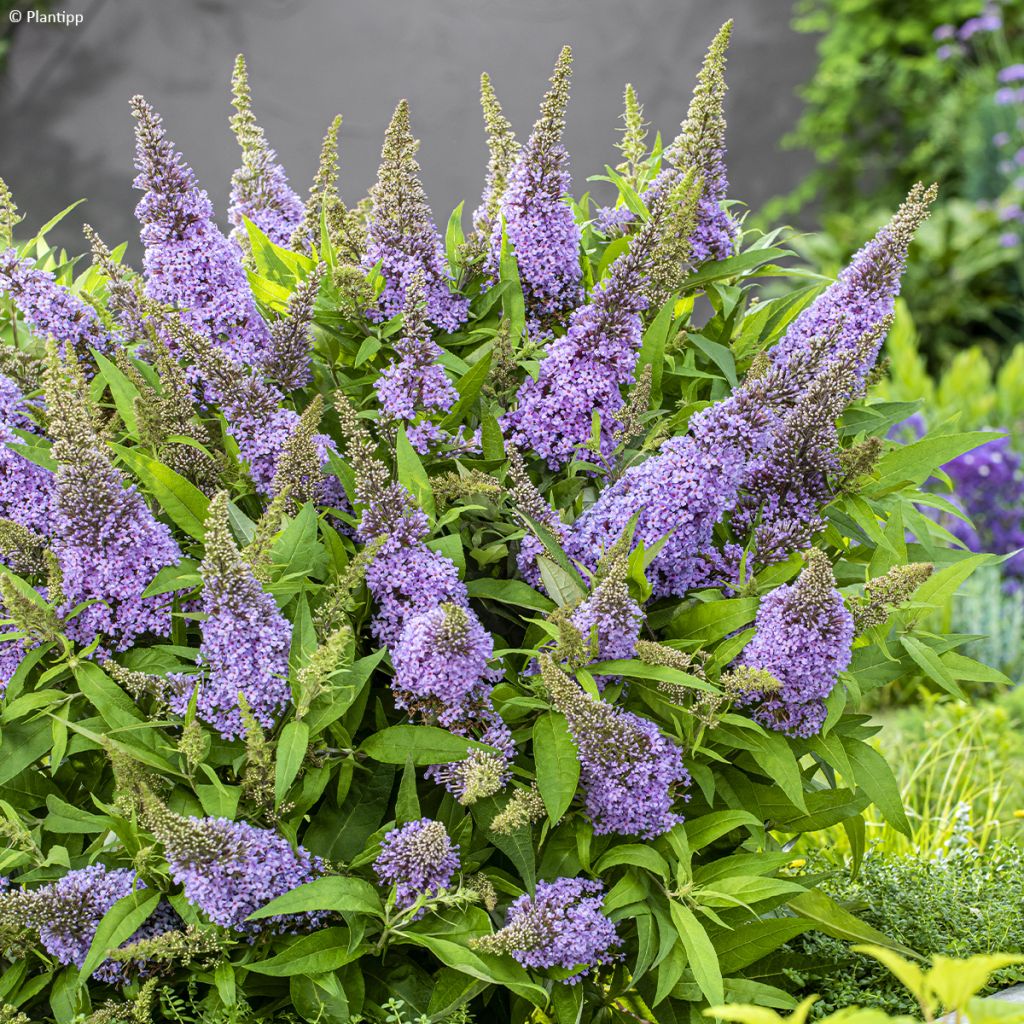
[{"x": 419, "y": 859}]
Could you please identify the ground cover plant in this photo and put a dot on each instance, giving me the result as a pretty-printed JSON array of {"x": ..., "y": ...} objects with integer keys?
[{"x": 407, "y": 625}]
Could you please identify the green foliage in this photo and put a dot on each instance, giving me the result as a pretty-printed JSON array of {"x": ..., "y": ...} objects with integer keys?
[
  {"x": 881, "y": 112},
  {"x": 956, "y": 902},
  {"x": 949, "y": 985}
]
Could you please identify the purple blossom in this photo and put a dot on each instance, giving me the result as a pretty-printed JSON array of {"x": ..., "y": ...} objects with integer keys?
[
  {"x": 944, "y": 32},
  {"x": 66, "y": 913},
  {"x": 189, "y": 263},
  {"x": 246, "y": 640},
  {"x": 441, "y": 660},
  {"x": 1007, "y": 96},
  {"x": 610, "y": 619},
  {"x": 418, "y": 859},
  {"x": 539, "y": 223},
  {"x": 416, "y": 382},
  {"x": 629, "y": 771},
  {"x": 803, "y": 638},
  {"x": 989, "y": 486},
  {"x": 1009, "y": 239},
  {"x": 948, "y": 51},
  {"x": 990, "y": 21},
  {"x": 106, "y": 540},
  {"x": 1012, "y": 73},
  {"x": 229, "y": 869},
  {"x": 863, "y": 294},
  {"x": 402, "y": 235},
  {"x": 51, "y": 309},
  {"x": 700, "y": 146},
  {"x": 562, "y": 926},
  {"x": 614, "y": 220},
  {"x": 679, "y": 494},
  {"x": 585, "y": 370},
  {"x": 25, "y": 488},
  {"x": 259, "y": 188}
]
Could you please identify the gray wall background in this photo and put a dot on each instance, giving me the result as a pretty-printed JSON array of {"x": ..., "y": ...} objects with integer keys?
[{"x": 67, "y": 131}]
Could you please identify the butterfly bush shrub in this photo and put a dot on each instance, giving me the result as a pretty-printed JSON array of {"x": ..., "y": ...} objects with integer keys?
[{"x": 457, "y": 622}]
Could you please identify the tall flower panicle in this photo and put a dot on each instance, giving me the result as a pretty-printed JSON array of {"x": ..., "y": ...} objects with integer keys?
[
  {"x": 416, "y": 382},
  {"x": 189, "y": 263},
  {"x": 25, "y": 488},
  {"x": 291, "y": 337},
  {"x": 633, "y": 145},
  {"x": 680, "y": 493},
  {"x": 609, "y": 619},
  {"x": 106, "y": 540},
  {"x": 259, "y": 188},
  {"x": 803, "y": 638},
  {"x": 586, "y": 369},
  {"x": 539, "y": 224},
  {"x": 561, "y": 925},
  {"x": 245, "y": 643},
  {"x": 440, "y": 662},
  {"x": 418, "y": 859},
  {"x": 864, "y": 293},
  {"x": 51, "y": 310},
  {"x": 503, "y": 149},
  {"x": 229, "y": 869},
  {"x": 700, "y": 147},
  {"x": 251, "y": 405},
  {"x": 630, "y": 772},
  {"x": 403, "y": 237},
  {"x": 422, "y": 608},
  {"x": 790, "y": 480},
  {"x": 66, "y": 914},
  {"x": 323, "y": 190}
]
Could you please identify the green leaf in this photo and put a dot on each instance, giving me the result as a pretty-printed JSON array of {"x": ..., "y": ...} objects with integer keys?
[
  {"x": 412, "y": 475},
  {"x": 424, "y": 744},
  {"x": 514, "y": 592},
  {"x": 872, "y": 774},
  {"x": 322, "y": 951},
  {"x": 712, "y": 620},
  {"x": 468, "y": 386},
  {"x": 339, "y": 893},
  {"x": 931, "y": 665},
  {"x": 833, "y": 920},
  {"x": 914, "y": 463},
  {"x": 558, "y": 583},
  {"x": 774, "y": 756},
  {"x": 122, "y": 389},
  {"x": 558, "y": 766},
  {"x": 749, "y": 942},
  {"x": 652, "y": 352},
  {"x": 179, "y": 498},
  {"x": 118, "y": 925},
  {"x": 407, "y": 805},
  {"x": 700, "y": 952},
  {"x": 735, "y": 266},
  {"x": 633, "y": 853},
  {"x": 291, "y": 751}
]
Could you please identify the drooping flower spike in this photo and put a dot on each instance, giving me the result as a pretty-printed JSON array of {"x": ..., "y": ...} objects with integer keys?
[
  {"x": 562, "y": 926},
  {"x": 803, "y": 639},
  {"x": 52, "y": 311}
]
